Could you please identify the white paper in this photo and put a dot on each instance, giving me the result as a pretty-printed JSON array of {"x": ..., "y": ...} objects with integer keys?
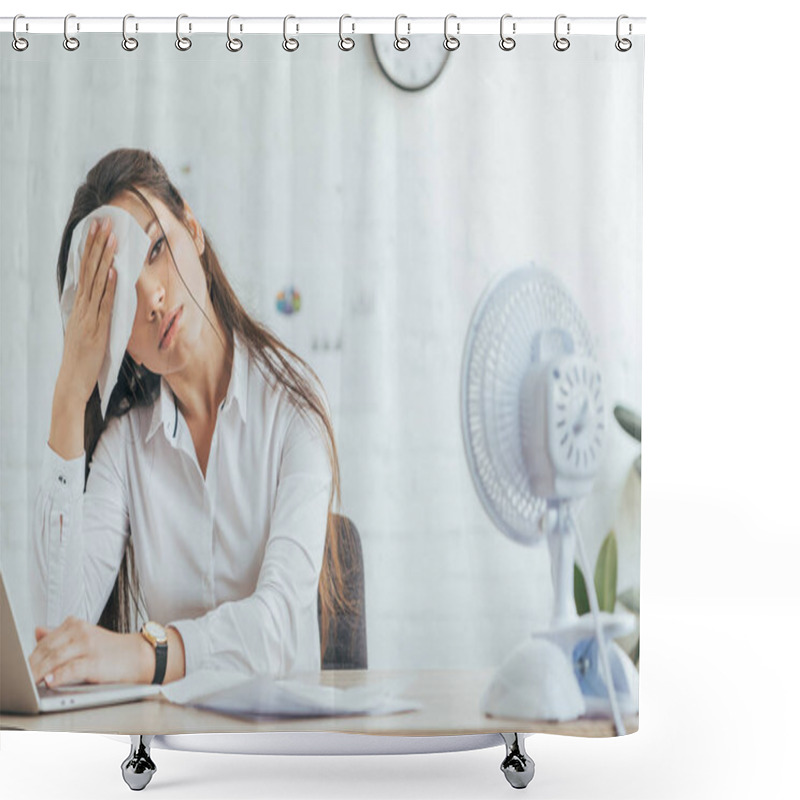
[
  {"x": 200, "y": 683},
  {"x": 262, "y": 695}
]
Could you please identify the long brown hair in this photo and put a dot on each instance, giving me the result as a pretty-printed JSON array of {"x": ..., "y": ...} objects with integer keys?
[{"x": 129, "y": 170}]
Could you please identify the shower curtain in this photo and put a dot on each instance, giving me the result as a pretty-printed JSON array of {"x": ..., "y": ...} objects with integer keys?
[{"x": 363, "y": 216}]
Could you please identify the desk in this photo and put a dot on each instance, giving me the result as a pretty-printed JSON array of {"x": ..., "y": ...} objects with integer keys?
[{"x": 450, "y": 707}]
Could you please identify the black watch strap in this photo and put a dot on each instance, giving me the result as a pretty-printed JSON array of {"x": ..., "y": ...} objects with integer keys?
[{"x": 161, "y": 662}]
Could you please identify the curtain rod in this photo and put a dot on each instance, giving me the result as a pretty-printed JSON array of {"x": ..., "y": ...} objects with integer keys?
[{"x": 408, "y": 26}]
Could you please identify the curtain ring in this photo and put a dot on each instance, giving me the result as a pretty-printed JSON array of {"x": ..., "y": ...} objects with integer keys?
[
  {"x": 234, "y": 45},
  {"x": 18, "y": 43},
  {"x": 128, "y": 42},
  {"x": 623, "y": 45},
  {"x": 70, "y": 42},
  {"x": 506, "y": 42},
  {"x": 401, "y": 43},
  {"x": 289, "y": 45},
  {"x": 561, "y": 43},
  {"x": 346, "y": 43},
  {"x": 451, "y": 42},
  {"x": 181, "y": 42}
]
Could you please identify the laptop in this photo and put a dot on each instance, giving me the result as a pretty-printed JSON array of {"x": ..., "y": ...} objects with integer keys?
[{"x": 20, "y": 695}]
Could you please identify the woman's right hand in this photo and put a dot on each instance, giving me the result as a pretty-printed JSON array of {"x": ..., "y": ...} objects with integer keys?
[{"x": 89, "y": 323}]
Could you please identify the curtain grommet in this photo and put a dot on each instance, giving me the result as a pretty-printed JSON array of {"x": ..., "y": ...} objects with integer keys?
[
  {"x": 289, "y": 44},
  {"x": 18, "y": 42},
  {"x": 451, "y": 42},
  {"x": 561, "y": 43},
  {"x": 623, "y": 44},
  {"x": 234, "y": 45},
  {"x": 401, "y": 42},
  {"x": 345, "y": 42},
  {"x": 507, "y": 43},
  {"x": 129, "y": 43},
  {"x": 183, "y": 43},
  {"x": 71, "y": 43}
]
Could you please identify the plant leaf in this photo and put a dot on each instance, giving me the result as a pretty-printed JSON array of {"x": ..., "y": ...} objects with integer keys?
[
  {"x": 605, "y": 574},
  {"x": 630, "y": 599},
  {"x": 581, "y": 595}
]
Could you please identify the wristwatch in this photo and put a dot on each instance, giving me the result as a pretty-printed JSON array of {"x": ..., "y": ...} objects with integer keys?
[{"x": 157, "y": 636}]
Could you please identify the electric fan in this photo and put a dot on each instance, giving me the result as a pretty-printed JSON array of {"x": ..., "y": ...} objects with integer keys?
[{"x": 533, "y": 418}]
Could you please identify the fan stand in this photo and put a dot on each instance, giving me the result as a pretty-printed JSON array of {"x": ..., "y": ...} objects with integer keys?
[{"x": 556, "y": 674}]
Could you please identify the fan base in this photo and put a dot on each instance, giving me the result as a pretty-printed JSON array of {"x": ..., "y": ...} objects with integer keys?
[{"x": 556, "y": 674}]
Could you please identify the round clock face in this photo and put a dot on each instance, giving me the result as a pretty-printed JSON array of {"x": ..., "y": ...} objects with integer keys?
[{"x": 416, "y": 67}]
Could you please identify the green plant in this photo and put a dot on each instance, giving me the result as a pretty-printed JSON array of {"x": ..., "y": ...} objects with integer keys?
[
  {"x": 605, "y": 584},
  {"x": 605, "y": 579}
]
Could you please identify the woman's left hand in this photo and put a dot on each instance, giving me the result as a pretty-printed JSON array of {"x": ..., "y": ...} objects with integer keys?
[{"x": 79, "y": 652}]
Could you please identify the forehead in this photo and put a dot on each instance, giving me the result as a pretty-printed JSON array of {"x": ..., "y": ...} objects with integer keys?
[{"x": 133, "y": 205}]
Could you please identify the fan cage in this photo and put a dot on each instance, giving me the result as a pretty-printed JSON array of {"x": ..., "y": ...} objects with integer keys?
[{"x": 498, "y": 351}]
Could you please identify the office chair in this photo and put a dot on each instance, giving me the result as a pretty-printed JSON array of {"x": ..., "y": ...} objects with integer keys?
[{"x": 347, "y": 639}]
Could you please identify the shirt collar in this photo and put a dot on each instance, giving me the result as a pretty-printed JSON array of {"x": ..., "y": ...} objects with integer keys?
[{"x": 165, "y": 409}]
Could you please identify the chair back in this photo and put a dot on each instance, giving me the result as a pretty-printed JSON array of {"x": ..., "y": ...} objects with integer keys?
[{"x": 347, "y": 639}]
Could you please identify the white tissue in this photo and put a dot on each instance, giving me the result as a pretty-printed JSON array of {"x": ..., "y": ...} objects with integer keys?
[
  {"x": 133, "y": 245},
  {"x": 261, "y": 695}
]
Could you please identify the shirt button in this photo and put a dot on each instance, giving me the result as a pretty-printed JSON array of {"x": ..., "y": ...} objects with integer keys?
[{"x": 62, "y": 479}]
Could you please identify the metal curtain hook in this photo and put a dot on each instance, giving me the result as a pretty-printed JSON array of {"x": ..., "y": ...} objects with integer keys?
[
  {"x": 561, "y": 43},
  {"x": 401, "y": 43},
  {"x": 623, "y": 45},
  {"x": 346, "y": 43},
  {"x": 70, "y": 42},
  {"x": 128, "y": 42},
  {"x": 234, "y": 45},
  {"x": 451, "y": 42},
  {"x": 182, "y": 42},
  {"x": 18, "y": 43},
  {"x": 289, "y": 45},
  {"x": 506, "y": 42}
]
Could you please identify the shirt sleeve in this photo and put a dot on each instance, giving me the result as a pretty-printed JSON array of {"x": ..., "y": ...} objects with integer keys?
[
  {"x": 78, "y": 540},
  {"x": 262, "y": 633}
]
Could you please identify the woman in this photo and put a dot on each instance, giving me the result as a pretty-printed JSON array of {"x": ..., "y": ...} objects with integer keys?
[{"x": 216, "y": 463}]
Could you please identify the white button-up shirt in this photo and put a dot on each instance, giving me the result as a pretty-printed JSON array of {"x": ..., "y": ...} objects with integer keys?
[{"x": 232, "y": 561}]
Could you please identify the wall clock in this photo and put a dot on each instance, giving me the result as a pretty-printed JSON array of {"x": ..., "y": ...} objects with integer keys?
[{"x": 416, "y": 67}]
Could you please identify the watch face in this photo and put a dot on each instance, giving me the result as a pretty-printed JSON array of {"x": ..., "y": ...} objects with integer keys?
[{"x": 158, "y": 632}]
